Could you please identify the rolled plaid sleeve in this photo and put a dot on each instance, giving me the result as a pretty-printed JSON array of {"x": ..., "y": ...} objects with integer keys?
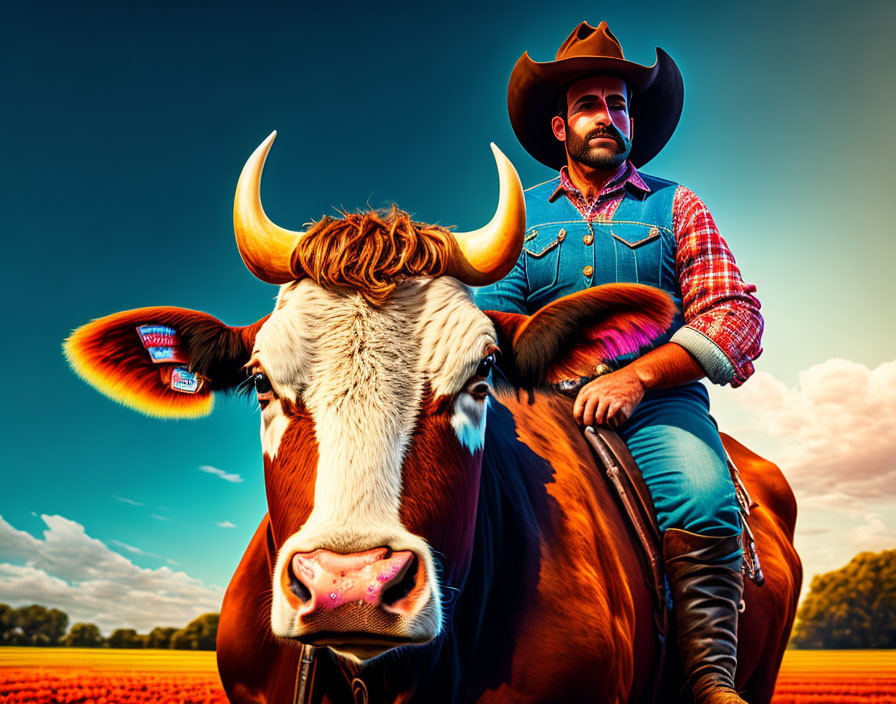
[{"x": 723, "y": 326}]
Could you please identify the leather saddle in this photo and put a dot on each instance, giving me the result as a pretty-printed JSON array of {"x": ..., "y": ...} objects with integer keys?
[{"x": 633, "y": 496}]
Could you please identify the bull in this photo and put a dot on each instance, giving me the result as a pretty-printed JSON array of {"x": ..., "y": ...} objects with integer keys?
[{"x": 437, "y": 527}]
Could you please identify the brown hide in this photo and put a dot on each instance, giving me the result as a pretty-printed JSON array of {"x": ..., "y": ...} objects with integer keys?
[
  {"x": 289, "y": 477},
  {"x": 584, "y": 630},
  {"x": 436, "y": 465},
  {"x": 255, "y": 666},
  {"x": 588, "y": 636},
  {"x": 770, "y": 609}
]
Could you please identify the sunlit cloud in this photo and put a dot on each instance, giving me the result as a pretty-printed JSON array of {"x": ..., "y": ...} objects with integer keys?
[
  {"x": 837, "y": 429},
  {"x": 835, "y": 433}
]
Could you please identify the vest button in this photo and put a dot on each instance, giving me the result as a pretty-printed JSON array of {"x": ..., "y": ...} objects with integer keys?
[
  {"x": 588, "y": 239},
  {"x": 561, "y": 235},
  {"x": 588, "y": 270}
]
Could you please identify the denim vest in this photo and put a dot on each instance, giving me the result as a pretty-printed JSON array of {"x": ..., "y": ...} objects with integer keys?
[{"x": 562, "y": 253}]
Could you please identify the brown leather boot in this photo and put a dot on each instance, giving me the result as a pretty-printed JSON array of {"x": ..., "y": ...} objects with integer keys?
[{"x": 705, "y": 598}]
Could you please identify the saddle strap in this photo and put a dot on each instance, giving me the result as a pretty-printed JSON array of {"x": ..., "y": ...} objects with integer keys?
[
  {"x": 305, "y": 675},
  {"x": 751, "y": 567},
  {"x": 611, "y": 453},
  {"x": 603, "y": 443}
]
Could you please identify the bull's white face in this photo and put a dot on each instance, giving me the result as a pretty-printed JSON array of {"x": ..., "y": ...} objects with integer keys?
[{"x": 362, "y": 378}]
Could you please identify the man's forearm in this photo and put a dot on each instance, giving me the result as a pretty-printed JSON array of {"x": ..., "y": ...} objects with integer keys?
[{"x": 668, "y": 365}]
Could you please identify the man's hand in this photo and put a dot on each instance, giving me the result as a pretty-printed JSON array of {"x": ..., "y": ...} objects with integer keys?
[{"x": 609, "y": 399}]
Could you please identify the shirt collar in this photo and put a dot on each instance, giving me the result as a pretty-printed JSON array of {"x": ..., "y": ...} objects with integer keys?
[{"x": 626, "y": 176}]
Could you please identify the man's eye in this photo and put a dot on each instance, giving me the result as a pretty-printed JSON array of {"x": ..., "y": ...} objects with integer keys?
[{"x": 485, "y": 366}]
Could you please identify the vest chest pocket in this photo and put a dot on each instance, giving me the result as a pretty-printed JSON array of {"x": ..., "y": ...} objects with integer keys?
[
  {"x": 639, "y": 251},
  {"x": 542, "y": 249}
]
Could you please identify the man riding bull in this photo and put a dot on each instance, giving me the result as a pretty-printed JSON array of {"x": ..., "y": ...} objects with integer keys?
[{"x": 597, "y": 117}]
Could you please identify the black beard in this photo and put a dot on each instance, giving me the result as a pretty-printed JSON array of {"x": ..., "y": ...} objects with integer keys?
[{"x": 598, "y": 157}]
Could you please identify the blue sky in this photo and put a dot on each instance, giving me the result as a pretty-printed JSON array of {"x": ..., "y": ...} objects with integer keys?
[{"x": 125, "y": 127}]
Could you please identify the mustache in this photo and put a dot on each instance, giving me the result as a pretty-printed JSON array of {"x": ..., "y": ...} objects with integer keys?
[{"x": 612, "y": 132}]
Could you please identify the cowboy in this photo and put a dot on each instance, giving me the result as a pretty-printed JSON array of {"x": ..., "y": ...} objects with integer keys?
[{"x": 597, "y": 118}]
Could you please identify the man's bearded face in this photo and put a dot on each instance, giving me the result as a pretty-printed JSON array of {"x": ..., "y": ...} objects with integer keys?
[{"x": 597, "y": 126}]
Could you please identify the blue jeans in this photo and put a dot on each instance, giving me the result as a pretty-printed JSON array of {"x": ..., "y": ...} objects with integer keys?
[{"x": 676, "y": 445}]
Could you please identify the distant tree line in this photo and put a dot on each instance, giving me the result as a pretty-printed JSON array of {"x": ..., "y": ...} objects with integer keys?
[
  {"x": 853, "y": 607},
  {"x": 37, "y": 625}
]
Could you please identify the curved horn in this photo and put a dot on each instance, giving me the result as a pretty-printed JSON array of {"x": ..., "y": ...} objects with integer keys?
[
  {"x": 266, "y": 248},
  {"x": 489, "y": 253}
]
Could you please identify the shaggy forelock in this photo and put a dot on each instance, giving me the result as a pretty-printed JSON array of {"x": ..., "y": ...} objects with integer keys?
[{"x": 371, "y": 252}]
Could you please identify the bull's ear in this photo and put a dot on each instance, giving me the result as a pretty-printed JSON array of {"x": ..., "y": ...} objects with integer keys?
[
  {"x": 164, "y": 362},
  {"x": 569, "y": 337}
]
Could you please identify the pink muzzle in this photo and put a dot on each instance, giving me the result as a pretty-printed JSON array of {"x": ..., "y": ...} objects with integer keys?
[{"x": 325, "y": 580}]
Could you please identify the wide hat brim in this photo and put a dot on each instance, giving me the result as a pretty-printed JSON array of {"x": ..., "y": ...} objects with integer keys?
[{"x": 535, "y": 89}]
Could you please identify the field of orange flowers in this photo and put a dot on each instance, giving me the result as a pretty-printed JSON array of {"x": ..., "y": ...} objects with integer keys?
[
  {"x": 84, "y": 676},
  {"x": 837, "y": 677},
  {"x": 88, "y": 676}
]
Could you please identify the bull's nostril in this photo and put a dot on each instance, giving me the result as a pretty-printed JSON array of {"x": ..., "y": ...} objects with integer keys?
[
  {"x": 297, "y": 587},
  {"x": 404, "y": 584}
]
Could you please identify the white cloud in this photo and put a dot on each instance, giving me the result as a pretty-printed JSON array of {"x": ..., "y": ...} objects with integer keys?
[
  {"x": 126, "y": 500},
  {"x": 226, "y": 476},
  {"x": 158, "y": 517},
  {"x": 816, "y": 530},
  {"x": 131, "y": 548},
  {"x": 69, "y": 570},
  {"x": 837, "y": 429},
  {"x": 872, "y": 535},
  {"x": 834, "y": 501},
  {"x": 225, "y": 524}
]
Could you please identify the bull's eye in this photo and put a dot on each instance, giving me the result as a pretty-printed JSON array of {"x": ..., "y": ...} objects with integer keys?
[
  {"x": 485, "y": 366},
  {"x": 263, "y": 389},
  {"x": 262, "y": 384}
]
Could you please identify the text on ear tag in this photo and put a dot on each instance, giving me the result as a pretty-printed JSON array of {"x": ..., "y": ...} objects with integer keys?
[
  {"x": 162, "y": 343},
  {"x": 185, "y": 381}
]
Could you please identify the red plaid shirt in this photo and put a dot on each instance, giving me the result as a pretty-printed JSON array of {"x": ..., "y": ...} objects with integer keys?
[{"x": 717, "y": 303}]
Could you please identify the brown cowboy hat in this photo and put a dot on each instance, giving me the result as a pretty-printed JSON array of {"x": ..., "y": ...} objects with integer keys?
[{"x": 535, "y": 89}]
